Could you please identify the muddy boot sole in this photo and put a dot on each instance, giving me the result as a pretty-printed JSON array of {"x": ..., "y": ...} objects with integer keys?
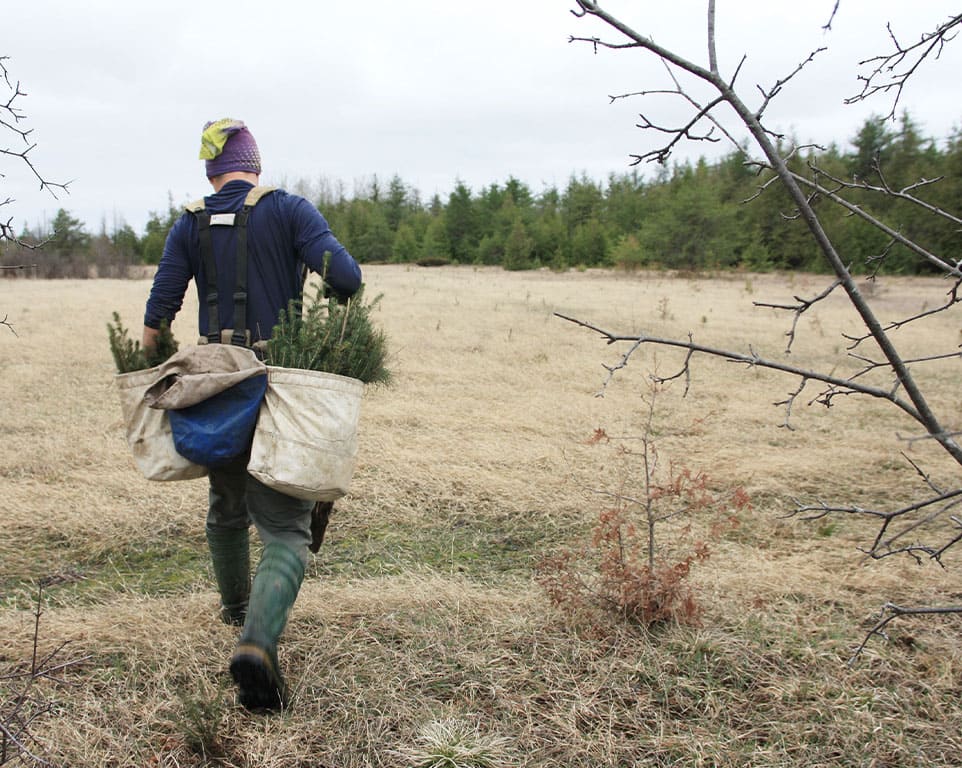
[{"x": 259, "y": 683}]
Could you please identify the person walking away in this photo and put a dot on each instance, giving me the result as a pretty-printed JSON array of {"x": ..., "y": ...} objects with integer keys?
[{"x": 258, "y": 262}]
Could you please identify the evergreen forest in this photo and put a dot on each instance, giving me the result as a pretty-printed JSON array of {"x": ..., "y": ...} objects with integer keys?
[{"x": 688, "y": 217}]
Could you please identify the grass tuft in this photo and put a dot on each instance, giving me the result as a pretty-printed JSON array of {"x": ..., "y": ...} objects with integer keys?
[{"x": 454, "y": 743}]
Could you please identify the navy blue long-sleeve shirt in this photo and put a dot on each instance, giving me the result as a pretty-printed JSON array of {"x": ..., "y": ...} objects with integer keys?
[{"x": 284, "y": 232}]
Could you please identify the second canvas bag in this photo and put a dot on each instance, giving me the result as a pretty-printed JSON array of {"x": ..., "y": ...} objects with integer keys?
[{"x": 305, "y": 442}]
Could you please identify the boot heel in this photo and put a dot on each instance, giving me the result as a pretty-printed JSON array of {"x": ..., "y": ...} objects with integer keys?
[{"x": 260, "y": 685}]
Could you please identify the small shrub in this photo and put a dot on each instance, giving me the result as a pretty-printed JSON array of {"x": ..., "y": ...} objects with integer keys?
[
  {"x": 664, "y": 312},
  {"x": 25, "y": 696},
  {"x": 613, "y": 578},
  {"x": 128, "y": 354},
  {"x": 635, "y": 567},
  {"x": 331, "y": 337},
  {"x": 202, "y": 715}
]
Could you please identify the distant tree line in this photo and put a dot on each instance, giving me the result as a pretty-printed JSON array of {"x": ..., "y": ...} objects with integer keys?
[
  {"x": 700, "y": 216},
  {"x": 67, "y": 249}
]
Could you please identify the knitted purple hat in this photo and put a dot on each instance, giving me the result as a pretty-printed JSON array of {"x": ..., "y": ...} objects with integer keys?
[{"x": 227, "y": 145}]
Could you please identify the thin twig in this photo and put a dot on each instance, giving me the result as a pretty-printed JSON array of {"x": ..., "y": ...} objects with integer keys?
[
  {"x": 890, "y": 612},
  {"x": 892, "y": 71}
]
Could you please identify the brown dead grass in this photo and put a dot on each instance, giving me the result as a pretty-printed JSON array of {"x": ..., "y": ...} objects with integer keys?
[{"x": 421, "y": 607}]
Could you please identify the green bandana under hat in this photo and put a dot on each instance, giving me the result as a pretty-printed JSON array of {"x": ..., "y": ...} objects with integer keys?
[{"x": 215, "y": 136}]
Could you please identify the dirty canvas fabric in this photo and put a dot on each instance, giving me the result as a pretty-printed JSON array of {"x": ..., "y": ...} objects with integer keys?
[
  {"x": 195, "y": 374},
  {"x": 149, "y": 433},
  {"x": 305, "y": 441}
]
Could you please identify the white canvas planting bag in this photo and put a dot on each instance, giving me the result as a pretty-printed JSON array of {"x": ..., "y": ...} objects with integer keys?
[
  {"x": 305, "y": 441},
  {"x": 148, "y": 431}
]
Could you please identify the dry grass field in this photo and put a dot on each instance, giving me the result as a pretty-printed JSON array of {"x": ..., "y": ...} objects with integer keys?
[{"x": 420, "y": 631}]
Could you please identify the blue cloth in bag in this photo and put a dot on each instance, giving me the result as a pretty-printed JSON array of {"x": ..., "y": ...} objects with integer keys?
[{"x": 220, "y": 428}]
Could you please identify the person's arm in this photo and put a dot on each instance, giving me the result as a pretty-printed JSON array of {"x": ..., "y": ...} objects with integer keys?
[
  {"x": 315, "y": 239},
  {"x": 170, "y": 283}
]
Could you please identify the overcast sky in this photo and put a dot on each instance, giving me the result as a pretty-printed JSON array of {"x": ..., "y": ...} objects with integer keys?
[{"x": 432, "y": 90}]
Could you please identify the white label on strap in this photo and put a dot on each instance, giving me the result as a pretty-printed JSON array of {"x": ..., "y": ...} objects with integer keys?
[{"x": 222, "y": 219}]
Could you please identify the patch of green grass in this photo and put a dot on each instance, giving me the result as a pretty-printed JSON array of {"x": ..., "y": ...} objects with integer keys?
[
  {"x": 476, "y": 547},
  {"x": 156, "y": 568},
  {"x": 470, "y": 547},
  {"x": 144, "y": 568},
  {"x": 825, "y": 530}
]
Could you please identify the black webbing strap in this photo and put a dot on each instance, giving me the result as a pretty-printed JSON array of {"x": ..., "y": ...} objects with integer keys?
[
  {"x": 210, "y": 270},
  {"x": 239, "y": 337}
]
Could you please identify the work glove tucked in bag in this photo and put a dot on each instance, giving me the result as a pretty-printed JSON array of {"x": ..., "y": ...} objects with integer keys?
[
  {"x": 212, "y": 394},
  {"x": 320, "y": 516}
]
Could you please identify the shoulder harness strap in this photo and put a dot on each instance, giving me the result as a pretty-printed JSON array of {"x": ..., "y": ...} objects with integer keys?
[{"x": 255, "y": 195}]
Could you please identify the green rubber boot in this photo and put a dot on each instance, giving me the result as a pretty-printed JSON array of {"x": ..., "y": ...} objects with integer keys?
[
  {"x": 254, "y": 664},
  {"x": 231, "y": 561}
]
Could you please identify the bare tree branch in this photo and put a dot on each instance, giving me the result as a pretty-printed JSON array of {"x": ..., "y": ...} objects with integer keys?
[
  {"x": 8, "y": 324},
  {"x": 892, "y": 71},
  {"x": 684, "y": 133},
  {"x": 776, "y": 89},
  {"x": 798, "y": 309},
  {"x": 23, "y": 705},
  {"x": 792, "y": 185},
  {"x": 712, "y": 53},
  {"x": 702, "y": 112},
  {"x": 884, "y": 543},
  {"x": 11, "y": 118},
  {"x": 954, "y": 270},
  {"x": 828, "y": 24},
  {"x": 953, "y": 299},
  {"x": 789, "y": 403},
  {"x": 752, "y": 360},
  {"x": 892, "y": 611}
]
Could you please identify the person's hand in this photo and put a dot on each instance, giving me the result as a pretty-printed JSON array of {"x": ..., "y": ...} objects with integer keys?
[
  {"x": 149, "y": 339},
  {"x": 329, "y": 292}
]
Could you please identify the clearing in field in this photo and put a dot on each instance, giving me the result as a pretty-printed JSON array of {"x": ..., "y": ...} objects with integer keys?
[{"x": 420, "y": 631}]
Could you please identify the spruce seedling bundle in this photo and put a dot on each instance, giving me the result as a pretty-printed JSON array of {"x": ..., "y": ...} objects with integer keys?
[
  {"x": 323, "y": 335},
  {"x": 127, "y": 353}
]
